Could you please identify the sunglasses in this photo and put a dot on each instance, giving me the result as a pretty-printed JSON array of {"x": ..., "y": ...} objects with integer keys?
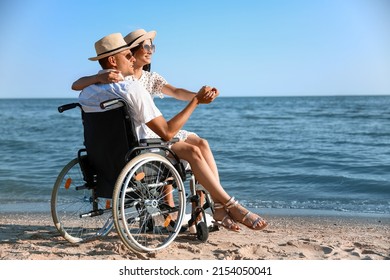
[{"x": 149, "y": 48}]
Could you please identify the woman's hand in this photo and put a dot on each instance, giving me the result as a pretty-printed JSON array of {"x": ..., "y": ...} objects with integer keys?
[
  {"x": 113, "y": 76},
  {"x": 215, "y": 93}
]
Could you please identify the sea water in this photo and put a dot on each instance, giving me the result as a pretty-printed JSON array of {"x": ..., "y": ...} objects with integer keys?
[{"x": 317, "y": 154}]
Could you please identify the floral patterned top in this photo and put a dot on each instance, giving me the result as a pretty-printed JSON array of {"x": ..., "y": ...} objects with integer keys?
[{"x": 153, "y": 82}]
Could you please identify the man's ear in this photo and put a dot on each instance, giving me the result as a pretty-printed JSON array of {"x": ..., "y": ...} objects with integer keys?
[{"x": 112, "y": 60}]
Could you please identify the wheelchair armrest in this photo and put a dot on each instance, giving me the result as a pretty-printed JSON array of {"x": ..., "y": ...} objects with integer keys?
[
  {"x": 157, "y": 145},
  {"x": 157, "y": 141}
]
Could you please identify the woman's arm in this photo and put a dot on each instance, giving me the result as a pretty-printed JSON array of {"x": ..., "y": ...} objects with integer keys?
[
  {"x": 183, "y": 94},
  {"x": 103, "y": 78},
  {"x": 178, "y": 93}
]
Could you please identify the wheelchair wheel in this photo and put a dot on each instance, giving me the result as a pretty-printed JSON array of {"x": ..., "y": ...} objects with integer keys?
[
  {"x": 143, "y": 218},
  {"x": 77, "y": 215},
  {"x": 202, "y": 232}
]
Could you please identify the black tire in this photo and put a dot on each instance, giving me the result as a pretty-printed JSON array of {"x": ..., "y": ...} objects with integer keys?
[{"x": 202, "y": 232}]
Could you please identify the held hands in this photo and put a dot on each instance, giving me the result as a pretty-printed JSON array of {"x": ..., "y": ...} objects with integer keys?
[
  {"x": 207, "y": 95},
  {"x": 108, "y": 77}
]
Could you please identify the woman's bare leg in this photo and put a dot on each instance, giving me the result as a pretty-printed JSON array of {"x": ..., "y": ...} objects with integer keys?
[
  {"x": 206, "y": 178},
  {"x": 204, "y": 147},
  {"x": 201, "y": 169}
]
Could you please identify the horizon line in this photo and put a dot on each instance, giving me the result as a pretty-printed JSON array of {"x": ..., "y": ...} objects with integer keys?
[{"x": 231, "y": 96}]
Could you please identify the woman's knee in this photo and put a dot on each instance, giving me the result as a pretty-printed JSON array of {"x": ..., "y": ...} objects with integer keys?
[
  {"x": 188, "y": 152},
  {"x": 203, "y": 144},
  {"x": 195, "y": 152}
]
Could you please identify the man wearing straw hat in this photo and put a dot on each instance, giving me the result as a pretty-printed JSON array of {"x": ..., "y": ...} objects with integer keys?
[{"x": 114, "y": 54}]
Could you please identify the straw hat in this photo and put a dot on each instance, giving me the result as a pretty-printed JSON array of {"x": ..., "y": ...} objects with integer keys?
[
  {"x": 134, "y": 38},
  {"x": 109, "y": 45}
]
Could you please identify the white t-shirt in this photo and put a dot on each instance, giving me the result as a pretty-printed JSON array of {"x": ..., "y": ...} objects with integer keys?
[
  {"x": 140, "y": 103},
  {"x": 153, "y": 83}
]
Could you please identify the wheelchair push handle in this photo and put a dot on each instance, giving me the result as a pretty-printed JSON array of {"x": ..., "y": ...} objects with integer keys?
[
  {"x": 67, "y": 107},
  {"x": 103, "y": 105}
]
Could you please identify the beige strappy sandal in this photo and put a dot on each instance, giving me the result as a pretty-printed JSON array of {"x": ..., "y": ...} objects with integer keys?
[
  {"x": 233, "y": 203},
  {"x": 224, "y": 222}
]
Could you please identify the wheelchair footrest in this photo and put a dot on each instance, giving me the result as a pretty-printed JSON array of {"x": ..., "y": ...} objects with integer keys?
[
  {"x": 213, "y": 228},
  {"x": 92, "y": 213}
]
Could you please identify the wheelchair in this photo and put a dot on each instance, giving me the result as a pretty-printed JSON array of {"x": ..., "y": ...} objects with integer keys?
[{"x": 138, "y": 186}]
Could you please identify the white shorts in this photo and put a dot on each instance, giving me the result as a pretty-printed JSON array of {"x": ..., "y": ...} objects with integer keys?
[{"x": 182, "y": 134}]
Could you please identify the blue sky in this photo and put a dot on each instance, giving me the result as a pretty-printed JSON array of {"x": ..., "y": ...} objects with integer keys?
[{"x": 245, "y": 48}]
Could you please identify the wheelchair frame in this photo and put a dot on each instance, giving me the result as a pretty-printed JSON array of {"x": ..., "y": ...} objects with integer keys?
[{"x": 138, "y": 208}]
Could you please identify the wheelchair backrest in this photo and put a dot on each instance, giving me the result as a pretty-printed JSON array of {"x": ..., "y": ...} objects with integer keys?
[{"x": 108, "y": 136}]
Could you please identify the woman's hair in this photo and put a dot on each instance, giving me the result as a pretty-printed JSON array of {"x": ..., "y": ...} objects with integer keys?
[
  {"x": 136, "y": 48},
  {"x": 146, "y": 67}
]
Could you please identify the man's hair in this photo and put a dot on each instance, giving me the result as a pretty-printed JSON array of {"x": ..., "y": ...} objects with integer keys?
[{"x": 104, "y": 62}]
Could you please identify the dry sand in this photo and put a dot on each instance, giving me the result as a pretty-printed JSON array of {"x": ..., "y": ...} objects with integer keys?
[{"x": 33, "y": 237}]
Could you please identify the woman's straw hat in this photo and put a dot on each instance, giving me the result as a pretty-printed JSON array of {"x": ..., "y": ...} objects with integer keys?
[
  {"x": 109, "y": 45},
  {"x": 134, "y": 38}
]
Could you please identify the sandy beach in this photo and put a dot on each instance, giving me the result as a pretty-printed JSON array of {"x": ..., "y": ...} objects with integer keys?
[{"x": 289, "y": 237}]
